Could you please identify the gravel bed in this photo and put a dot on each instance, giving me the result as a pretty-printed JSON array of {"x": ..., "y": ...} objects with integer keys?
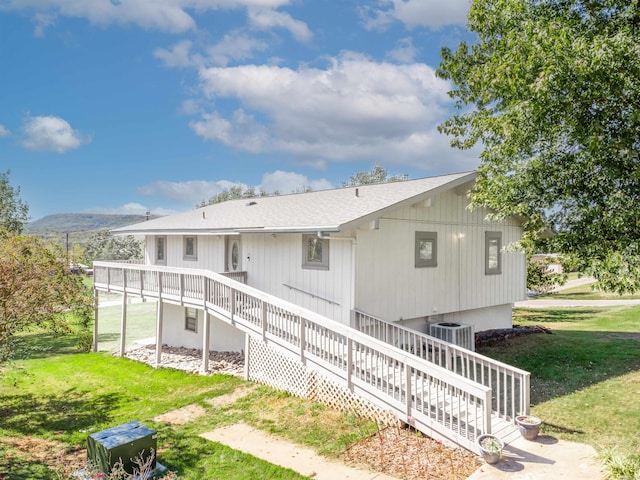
[{"x": 190, "y": 359}]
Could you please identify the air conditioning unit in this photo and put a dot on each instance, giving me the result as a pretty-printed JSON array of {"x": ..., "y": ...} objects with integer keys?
[
  {"x": 124, "y": 443},
  {"x": 456, "y": 333}
]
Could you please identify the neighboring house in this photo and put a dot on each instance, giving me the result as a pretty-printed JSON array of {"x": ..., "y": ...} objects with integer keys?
[
  {"x": 409, "y": 252},
  {"x": 553, "y": 260}
]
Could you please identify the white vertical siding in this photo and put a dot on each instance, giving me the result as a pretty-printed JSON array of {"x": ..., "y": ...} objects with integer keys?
[
  {"x": 389, "y": 286},
  {"x": 274, "y": 265},
  {"x": 222, "y": 337},
  {"x": 210, "y": 252}
]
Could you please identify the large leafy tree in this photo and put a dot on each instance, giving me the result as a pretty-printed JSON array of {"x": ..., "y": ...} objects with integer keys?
[
  {"x": 14, "y": 214},
  {"x": 36, "y": 289},
  {"x": 103, "y": 245},
  {"x": 551, "y": 91},
  {"x": 235, "y": 192},
  {"x": 36, "y": 286},
  {"x": 378, "y": 174}
]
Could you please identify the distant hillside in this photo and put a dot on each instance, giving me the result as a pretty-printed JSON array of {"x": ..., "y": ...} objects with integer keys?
[{"x": 79, "y": 226}]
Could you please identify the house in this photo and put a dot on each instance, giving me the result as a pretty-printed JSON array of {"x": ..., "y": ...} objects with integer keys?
[
  {"x": 553, "y": 261},
  {"x": 330, "y": 295},
  {"x": 410, "y": 252}
]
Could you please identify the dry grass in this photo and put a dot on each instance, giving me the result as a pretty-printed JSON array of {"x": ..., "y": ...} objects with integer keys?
[
  {"x": 52, "y": 453},
  {"x": 408, "y": 455}
]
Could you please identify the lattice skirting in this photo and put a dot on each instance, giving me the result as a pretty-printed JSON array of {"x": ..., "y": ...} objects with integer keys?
[{"x": 267, "y": 366}]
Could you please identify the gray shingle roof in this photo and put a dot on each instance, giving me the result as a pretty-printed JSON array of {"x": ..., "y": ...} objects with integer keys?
[{"x": 325, "y": 210}]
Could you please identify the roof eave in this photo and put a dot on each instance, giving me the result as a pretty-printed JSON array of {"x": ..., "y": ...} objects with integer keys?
[{"x": 409, "y": 201}]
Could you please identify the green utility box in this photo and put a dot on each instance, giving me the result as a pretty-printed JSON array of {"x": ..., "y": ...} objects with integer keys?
[{"x": 125, "y": 443}]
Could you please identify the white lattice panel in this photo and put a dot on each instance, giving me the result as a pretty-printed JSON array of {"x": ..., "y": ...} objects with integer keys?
[
  {"x": 282, "y": 373},
  {"x": 268, "y": 367}
]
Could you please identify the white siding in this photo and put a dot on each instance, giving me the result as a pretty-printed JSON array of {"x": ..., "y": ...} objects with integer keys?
[
  {"x": 210, "y": 252},
  {"x": 274, "y": 265},
  {"x": 390, "y": 287},
  {"x": 223, "y": 337}
]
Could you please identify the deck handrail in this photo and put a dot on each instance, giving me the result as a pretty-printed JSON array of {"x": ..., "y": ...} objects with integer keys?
[
  {"x": 419, "y": 392},
  {"x": 510, "y": 385}
]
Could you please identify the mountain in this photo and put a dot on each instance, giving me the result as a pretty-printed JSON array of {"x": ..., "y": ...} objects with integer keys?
[{"x": 78, "y": 226}]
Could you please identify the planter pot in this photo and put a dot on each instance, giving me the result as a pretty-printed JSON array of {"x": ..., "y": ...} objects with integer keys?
[
  {"x": 529, "y": 426},
  {"x": 490, "y": 448}
]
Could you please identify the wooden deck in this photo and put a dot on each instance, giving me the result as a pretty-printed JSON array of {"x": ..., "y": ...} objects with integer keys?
[{"x": 416, "y": 390}]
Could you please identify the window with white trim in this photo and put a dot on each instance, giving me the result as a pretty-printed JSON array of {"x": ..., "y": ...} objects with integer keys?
[
  {"x": 161, "y": 250},
  {"x": 426, "y": 249},
  {"x": 191, "y": 319},
  {"x": 315, "y": 252},
  {"x": 190, "y": 248},
  {"x": 492, "y": 253}
]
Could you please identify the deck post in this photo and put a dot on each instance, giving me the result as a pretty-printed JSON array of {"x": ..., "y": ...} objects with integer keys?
[
  {"x": 159, "y": 322},
  {"x": 123, "y": 323},
  {"x": 349, "y": 364},
  {"x": 96, "y": 308},
  {"x": 407, "y": 381},
  {"x": 302, "y": 340},
  {"x": 247, "y": 355},
  {"x": 206, "y": 330}
]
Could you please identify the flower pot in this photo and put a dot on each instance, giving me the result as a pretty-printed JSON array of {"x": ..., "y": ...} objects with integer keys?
[
  {"x": 529, "y": 426},
  {"x": 490, "y": 448}
]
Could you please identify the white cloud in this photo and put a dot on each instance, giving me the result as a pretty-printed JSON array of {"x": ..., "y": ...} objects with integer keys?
[
  {"x": 405, "y": 51},
  {"x": 355, "y": 109},
  {"x": 267, "y": 19},
  {"x": 196, "y": 191},
  {"x": 164, "y": 15},
  {"x": 289, "y": 182},
  {"x": 42, "y": 21},
  {"x": 417, "y": 13},
  {"x": 131, "y": 209},
  {"x": 190, "y": 106},
  {"x": 193, "y": 192},
  {"x": 51, "y": 134},
  {"x": 178, "y": 56},
  {"x": 234, "y": 46},
  {"x": 3, "y": 131}
]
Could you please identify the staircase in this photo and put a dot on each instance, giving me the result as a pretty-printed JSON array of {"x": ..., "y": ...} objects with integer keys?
[{"x": 438, "y": 388}]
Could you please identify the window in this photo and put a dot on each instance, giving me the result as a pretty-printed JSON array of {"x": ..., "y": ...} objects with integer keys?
[
  {"x": 492, "y": 253},
  {"x": 190, "y": 248},
  {"x": 235, "y": 256},
  {"x": 315, "y": 252},
  {"x": 191, "y": 319},
  {"x": 426, "y": 254},
  {"x": 161, "y": 250}
]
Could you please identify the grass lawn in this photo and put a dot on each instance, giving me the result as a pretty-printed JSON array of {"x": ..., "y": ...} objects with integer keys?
[
  {"x": 584, "y": 292},
  {"x": 54, "y": 398},
  {"x": 585, "y": 385},
  {"x": 141, "y": 323},
  {"x": 585, "y": 377}
]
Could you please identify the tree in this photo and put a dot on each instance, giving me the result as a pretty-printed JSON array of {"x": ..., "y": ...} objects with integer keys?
[
  {"x": 235, "y": 192},
  {"x": 36, "y": 289},
  {"x": 378, "y": 174},
  {"x": 13, "y": 213},
  {"x": 540, "y": 278},
  {"x": 551, "y": 91},
  {"x": 102, "y": 245}
]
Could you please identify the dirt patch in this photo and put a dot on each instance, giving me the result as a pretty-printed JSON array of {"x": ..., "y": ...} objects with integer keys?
[
  {"x": 490, "y": 337},
  {"x": 181, "y": 415},
  {"x": 405, "y": 454},
  {"x": 51, "y": 453},
  {"x": 230, "y": 398}
]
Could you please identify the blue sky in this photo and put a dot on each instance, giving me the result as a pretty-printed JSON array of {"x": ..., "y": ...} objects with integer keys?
[{"x": 128, "y": 106}]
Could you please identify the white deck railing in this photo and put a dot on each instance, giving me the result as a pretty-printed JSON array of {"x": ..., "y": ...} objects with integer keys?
[
  {"x": 419, "y": 392},
  {"x": 509, "y": 385}
]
